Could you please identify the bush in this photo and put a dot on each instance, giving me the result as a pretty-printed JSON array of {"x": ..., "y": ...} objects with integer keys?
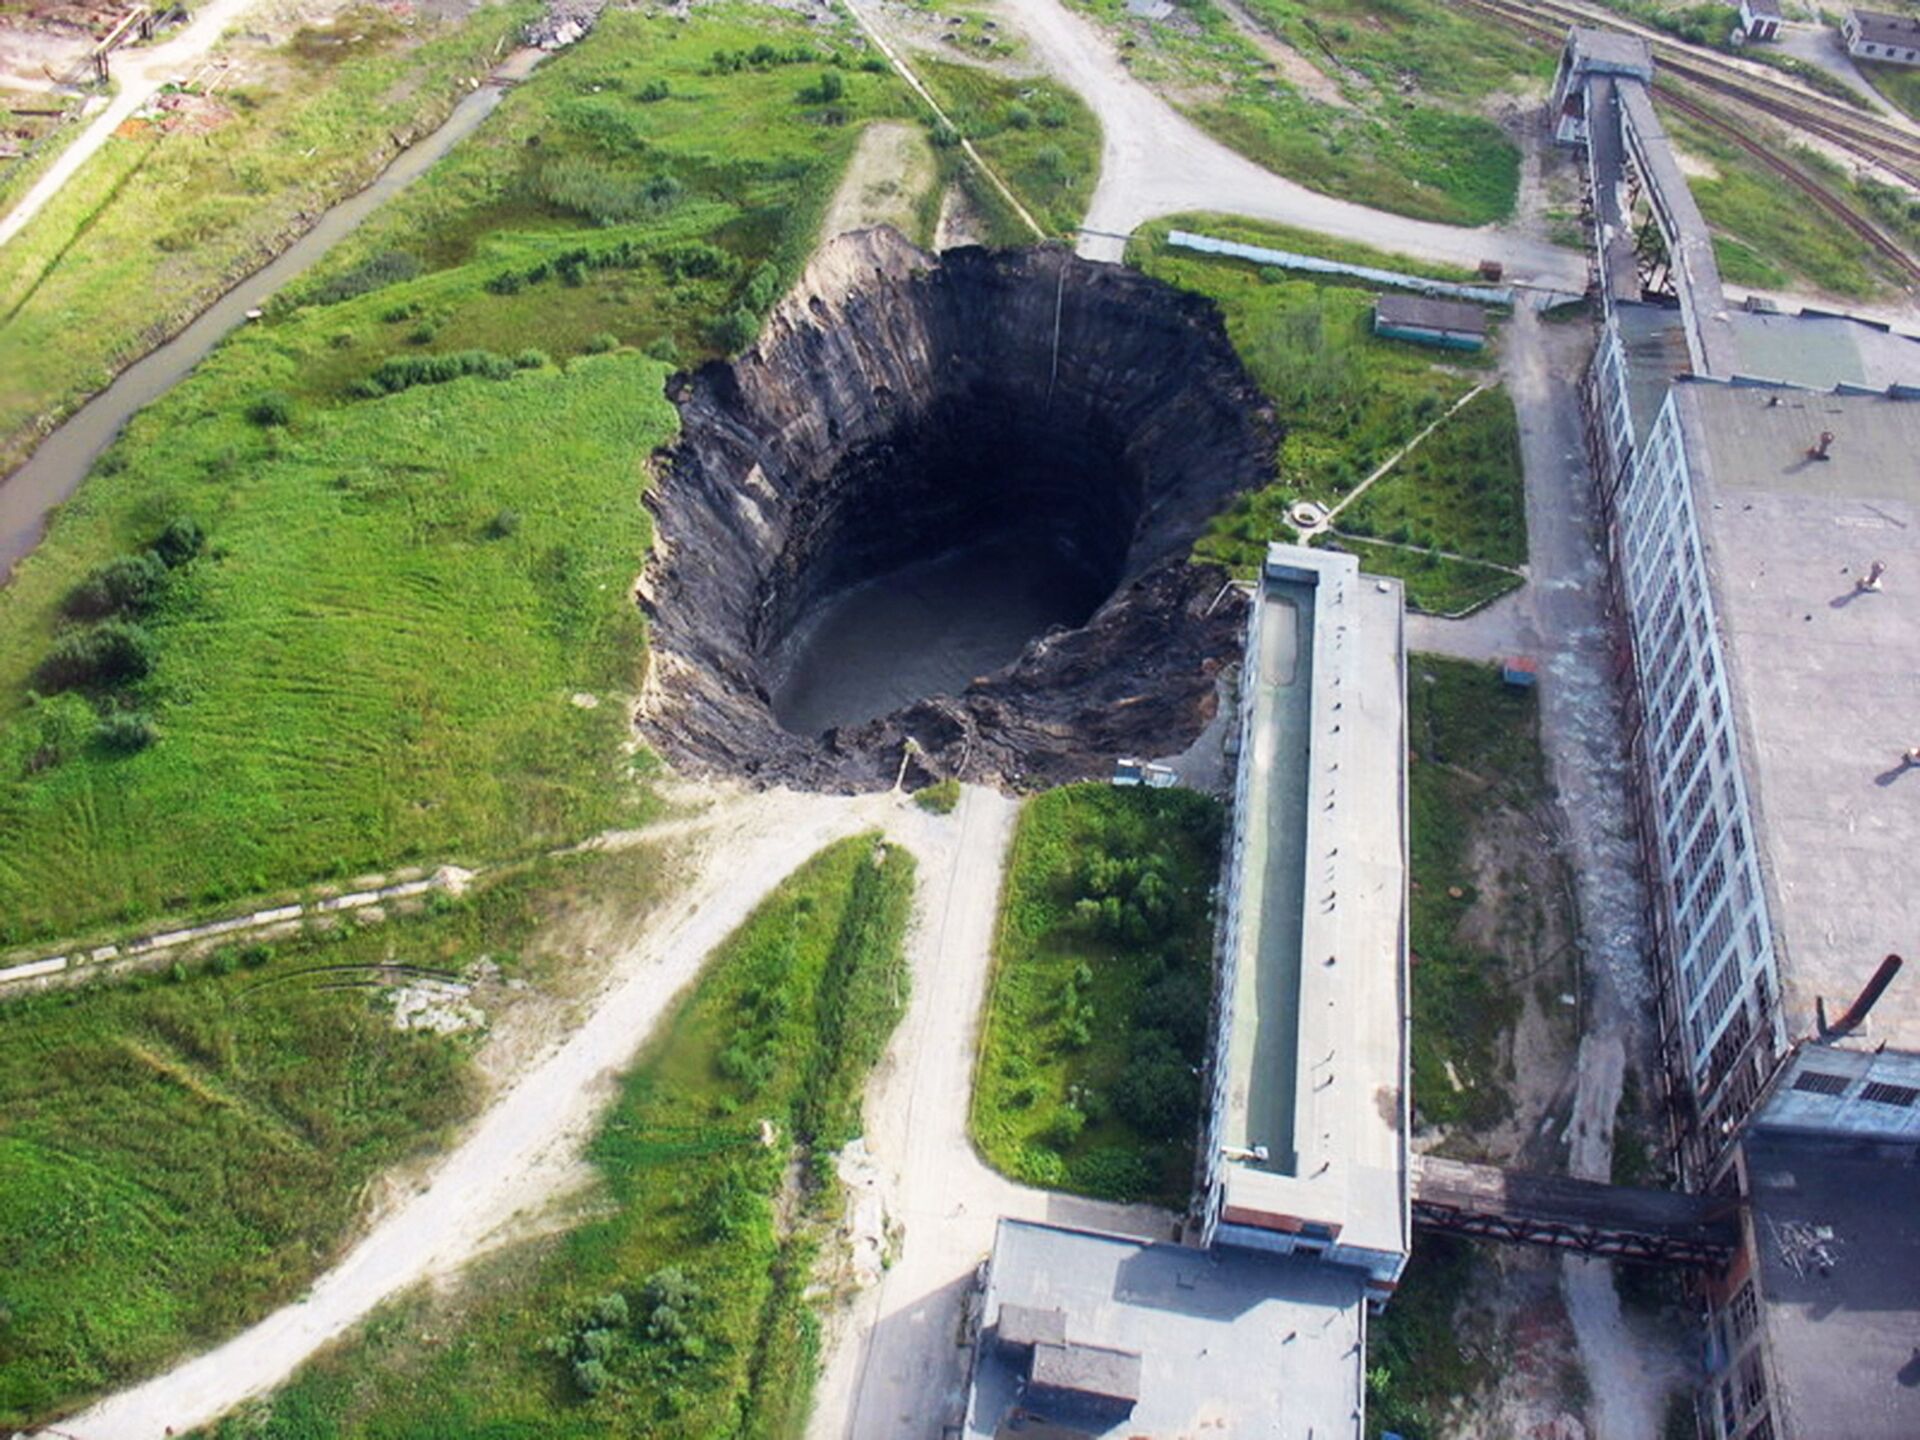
[
  {"x": 115, "y": 653},
  {"x": 126, "y": 732},
  {"x": 56, "y": 728},
  {"x": 273, "y": 408},
  {"x": 375, "y": 273},
  {"x": 503, "y": 524},
  {"x": 130, "y": 583},
  {"x": 1158, "y": 1092},
  {"x": 181, "y": 541},
  {"x": 664, "y": 350},
  {"x": 605, "y": 343},
  {"x": 590, "y": 1376},
  {"x": 402, "y": 372},
  {"x": 831, "y": 86},
  {"x": 531, "y": 359},
  {"x": 734, "y": 333},
  {"x": 653, "y": 91},
  {"x": 1019, "y": 116},
  {"x": 939, "y": 798}
]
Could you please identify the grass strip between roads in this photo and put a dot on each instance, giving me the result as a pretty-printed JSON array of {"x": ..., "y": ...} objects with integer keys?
[{"x": 677, "y": 1309}]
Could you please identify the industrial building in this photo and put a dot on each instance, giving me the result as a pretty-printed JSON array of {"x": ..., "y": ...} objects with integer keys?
[
  {"x": 1760, "y": 19},
  {"x": 1756, "y": 476},
  {"x": 1876, "y": 35},
  {"x": 1452, "y": 324},
  {"x": 1302, "y": 1199},
  {"x": 1304, "y": 1149}
]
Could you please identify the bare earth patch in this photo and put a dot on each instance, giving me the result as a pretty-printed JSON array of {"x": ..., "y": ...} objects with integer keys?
[
  {"x": 891, "y": 169},
  {"x": 1296, "y": 69}
]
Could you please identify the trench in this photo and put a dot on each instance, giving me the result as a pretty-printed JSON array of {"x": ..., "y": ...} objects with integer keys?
[
  {"x": 62, "y": 460},
  {"x": 950, "y": 501}
]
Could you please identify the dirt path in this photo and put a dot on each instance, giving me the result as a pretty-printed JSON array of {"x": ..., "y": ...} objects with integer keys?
[
  {"x": 1154, "y": 162},
  {"x": 891, "y": 169},
  {"x": 893, "y": 1370},
  {"x": 523, "y": 1150},
  {"x": 139, "y": 74}
]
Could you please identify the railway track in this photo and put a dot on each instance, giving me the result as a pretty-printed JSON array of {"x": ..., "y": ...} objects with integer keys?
[
  {"x": 1867, "y": 137},
  {"x": 1527, "y": 18}
]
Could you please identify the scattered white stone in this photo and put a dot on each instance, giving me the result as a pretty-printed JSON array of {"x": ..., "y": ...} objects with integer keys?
[
  {"x": 441, "y": 1006},
  {"x": 585, "y": 700}
]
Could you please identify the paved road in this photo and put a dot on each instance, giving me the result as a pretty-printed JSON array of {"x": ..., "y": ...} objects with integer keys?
[
  {"x": 139, "y": 74},
  {"x": 893, "y": 1370},
  {"x": 1156, "y": 162}
]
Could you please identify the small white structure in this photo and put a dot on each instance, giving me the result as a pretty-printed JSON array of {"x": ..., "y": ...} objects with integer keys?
[
  {"x": 1760, "y": 19},
  {"x": 1150, "y": 773},
  {"x": 1875, "y": 35}
]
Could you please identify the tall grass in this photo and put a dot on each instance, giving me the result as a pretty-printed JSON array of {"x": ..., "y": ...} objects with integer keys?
[{"x": 712, "y": 1165}]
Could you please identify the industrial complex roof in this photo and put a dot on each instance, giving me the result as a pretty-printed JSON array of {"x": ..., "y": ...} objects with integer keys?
[
  {"x": 1876, "y": 27},
  {"x": 1822, "y": 351},
  {"x": 1825, "y": 678},
  {"x": 1316, "y": 1057},
  {"x": 1229, "y": 1342},
  {"x": 1837, "y": 1231}
]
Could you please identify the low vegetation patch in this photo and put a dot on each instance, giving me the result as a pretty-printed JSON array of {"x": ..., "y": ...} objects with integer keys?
[
  {"x": 679, "y": 1310},
  {"x": 939, "y": 798},
  {"x": 1418, "y": 1367},
  {"x": 1087, "y": 1075},
  {"x": 1475, "y": 743},
  {"x": 183, "y": 1150},
  {"x": 1039, "y": 137}
]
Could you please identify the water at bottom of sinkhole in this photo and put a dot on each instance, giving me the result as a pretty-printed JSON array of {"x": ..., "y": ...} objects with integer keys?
[{"x": 927, "y": 628}]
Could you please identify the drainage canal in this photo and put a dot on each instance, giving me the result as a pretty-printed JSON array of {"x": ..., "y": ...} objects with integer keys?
[{"x": 949, "y": 501}]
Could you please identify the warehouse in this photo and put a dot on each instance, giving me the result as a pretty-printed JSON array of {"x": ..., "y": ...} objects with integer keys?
[{"x": 1452, "y": 324}]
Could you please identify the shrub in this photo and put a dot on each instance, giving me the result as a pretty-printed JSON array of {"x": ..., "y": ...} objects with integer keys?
[
  {"x": 531, "y": 359},
  {"x": 503, "y": 524},
  {"x": 603, "y": 343},
  {"x": 181, "y": 541},
  {"x": 273, "y": 408},
  {"x": 939, "y": 798},
  {"x": 1019, "y": 116},
  {"x": 57, "y": 727},
  {"x": 374, "y": 273},
  {"x": 507, "y": 282},
  {"x": 664, "y": 349},
  {"x": 590, "y": 1376},
  {"x": 114, "y": 653},
  {"x": 130, "y": 582},
  {"x": 402, "y": 372},
  {"x": 1157, "y": 1094},
  {"x": 831, "y": 86},
  {"x": 734, "y": 333},
  {"x": 126, "y": 732},
  {"x": 653, "y": 91}
]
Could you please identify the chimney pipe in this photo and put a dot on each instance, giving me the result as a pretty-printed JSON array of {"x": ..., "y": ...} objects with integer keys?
[
  {"x": 1871, "y": 580},
  {"x": 1819, "y": 452},
  {"x": 1868, "y": 997}
]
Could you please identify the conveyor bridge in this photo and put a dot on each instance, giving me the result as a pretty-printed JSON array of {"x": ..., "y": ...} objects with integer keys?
[{"x": 1662, "y": 1227}]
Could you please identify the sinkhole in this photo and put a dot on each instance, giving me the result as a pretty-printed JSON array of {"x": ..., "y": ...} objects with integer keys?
[{"x": 949, "y": 501}]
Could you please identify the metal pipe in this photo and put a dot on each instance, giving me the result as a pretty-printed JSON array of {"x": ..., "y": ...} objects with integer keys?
[{"x": 1868, "y": 997}]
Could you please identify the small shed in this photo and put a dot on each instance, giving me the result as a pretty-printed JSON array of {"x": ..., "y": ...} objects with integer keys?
[
  {"x": 1760, "y": 19},
  {"x": 1875, "y": 35},
  {"x": 1426, "y": 321}
]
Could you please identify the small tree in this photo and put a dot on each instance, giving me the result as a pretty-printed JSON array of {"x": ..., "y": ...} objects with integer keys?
[
  {"x": 273, "y": 408},
  {"x": 181, "y": 541}
]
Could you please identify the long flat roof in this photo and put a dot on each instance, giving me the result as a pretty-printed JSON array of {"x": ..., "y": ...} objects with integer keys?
[
  {"x": 1316, "y": 1053},
  {"x": 1231, "y": 1343},
  {"x": 1825, "y": 680},
  {"x": 1837, "y": 1230}
]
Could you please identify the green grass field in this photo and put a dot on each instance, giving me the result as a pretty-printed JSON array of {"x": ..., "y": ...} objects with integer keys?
[
  {"x": 678, "y": 1307},
  {"x": 167, "y": 216},
  {"x": 1394, "y": 120},
  {"x": 1348, "y": 400},
  {"x": 1098, "y": 1009},
  {"x": 1462, "y": 492},
  {"x": 1475, "y": 743},
  {"x": 375, "y": 659},
  {"x": 183, "y": 1151},
  {"x": 1898, "y": 83}
]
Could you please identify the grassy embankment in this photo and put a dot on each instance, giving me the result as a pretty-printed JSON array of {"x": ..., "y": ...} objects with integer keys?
[
  {"x": 1379, "y": 101},
  {"x": 678, "y": 1308},
  {"x": 373, "y": 660},
  {"x": 1038, "y": 136},
  {"x": 183, "y": 1151},
  {"x": 1898, "y": 84},
  {"x": 168, "y": 214},
  {"x": 1349, "y": 400},
  {"x": 1098, "y": 1011},
  {"x": 1758, "y": 241}
]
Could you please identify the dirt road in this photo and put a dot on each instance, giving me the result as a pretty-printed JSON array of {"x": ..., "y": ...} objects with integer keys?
[
  {"x": 1154, "y": 161},
  {"x": 893, "y": 1370},
  {"x": 139, "y": 75},
  {"x": 526, "y": 1146}
]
